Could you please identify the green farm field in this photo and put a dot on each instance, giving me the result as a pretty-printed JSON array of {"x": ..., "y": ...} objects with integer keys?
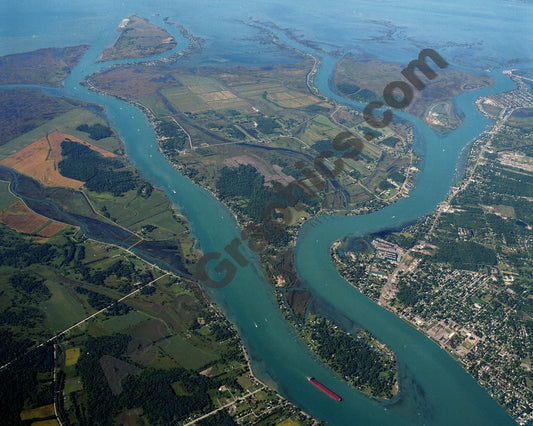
[{"x": 6, "y": 198}]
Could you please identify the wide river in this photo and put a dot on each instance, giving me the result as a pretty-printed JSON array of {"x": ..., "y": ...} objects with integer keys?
[{"x": 434, "y": 389}]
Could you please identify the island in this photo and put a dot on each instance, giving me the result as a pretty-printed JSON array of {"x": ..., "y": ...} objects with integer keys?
[
  {"x": 359, "y": 358},
  {"x": 139, "y": 38}
]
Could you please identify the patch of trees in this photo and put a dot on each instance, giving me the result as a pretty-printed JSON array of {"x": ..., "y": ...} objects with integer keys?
[
  {"x": 504, "y": 227},
  {"x": 408, "y": 295},
  {"x": 350, "y": 357},
  {"x": 96, "y": 131},
  {"x": 471, "y": 218},
  {"x": 22, "y": 316},
  {"x": 99, "y": 301},
  {"x": 404, "y": 240},
  {"x": 31, "y": 285},
  {"x": 221, "y": 331},
  {"x": 235, "y": 133},
  {"x": 326, "y": 145},
  {"x": 120, "y": 269},
  {"x": 510, "y": 183},
  {"x": 99, "y": 173},
  {"x": 390, "y": 141},
  {"x": 522, "y": 206},
  {"x": 384, "y": 185},
  {"x": 148, "y": 228},
  {"x": 267, "y": 125},
  {"x": 397, "y": 177},
  {"x": 221, "y": 418},
  {"x": 17, "y": 252},
  {"x": 347, "y": 88},
  {"x": 364, "y": 95},
  {"x": 101, "y": 404},
  {"x": 465, "y": 255},
  {"x": 11, "y": 346},
  {"x": 316, "y": 109},
  {"x": 245, "y": 182},
  {"x": 145, "y": 190},
  {"x": 148, "y": 290}
]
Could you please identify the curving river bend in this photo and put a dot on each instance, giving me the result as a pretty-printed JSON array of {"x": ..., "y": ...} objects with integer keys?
[{"x": 434, "y": 389}]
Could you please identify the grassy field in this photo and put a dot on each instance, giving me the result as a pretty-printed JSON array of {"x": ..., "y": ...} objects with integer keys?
[
  {"x": 20, "y": 218},
  {"x": 522, "y": 118},
  {"x": 47, "y": 67},
  {"x": 63, "y": 309},
  {"x": 187, "y": 354},
  {"x": 72, "y": 384},
  {"x": 246, "y": 383},
  {"x": 273, "y": 95},
  {"x": 134, "y": 212},
  {"x": 289, "y": 422},
  {"x": 200, "y": 94},
  {"x": 121, "y": 323},
  {"x": 71, "y": 356},
  {"x": 291, "y": 99},
  {"x": 318, "y": 129},
  {"x": 38, "y": 413},
  {"x": 6, "y": 198}
]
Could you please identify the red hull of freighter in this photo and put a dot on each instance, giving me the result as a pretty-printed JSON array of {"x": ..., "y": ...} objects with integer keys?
[{"x": 324, "y": 389}]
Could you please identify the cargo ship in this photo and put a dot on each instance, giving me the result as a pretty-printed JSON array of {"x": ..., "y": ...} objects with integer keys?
[{"x": 324, "y": 389}]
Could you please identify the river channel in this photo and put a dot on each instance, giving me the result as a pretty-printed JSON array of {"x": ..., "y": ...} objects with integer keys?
[{"x": 434, "y": 389}]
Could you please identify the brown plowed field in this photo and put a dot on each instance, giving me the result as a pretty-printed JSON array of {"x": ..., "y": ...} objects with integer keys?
[
  {"x": 40, "y": 159},
  {"x": 20, "y": 218}
]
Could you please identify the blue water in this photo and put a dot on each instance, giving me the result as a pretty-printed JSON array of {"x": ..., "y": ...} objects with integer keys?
[{"x": 434, "y": 389}]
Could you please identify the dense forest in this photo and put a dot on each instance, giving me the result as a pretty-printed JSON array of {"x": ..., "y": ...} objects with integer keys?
[
  {"x": 17, "y": 252},
  {"x": 96, "y": 131},
  {"x": 354, "y": 359},
  {"x": 151, "y": 389},
  {"x": 347, "y": 88},
  {"x": 247, "y": 184},
  {"x": 100, "y": 301},
  {"x": 245, "y": 181},
  {"x": 24, "y": 380},
  {"x": 464, "y": 255},
  {"x": 267, "y": 125},
  {"x": 100, "y": 174}
]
